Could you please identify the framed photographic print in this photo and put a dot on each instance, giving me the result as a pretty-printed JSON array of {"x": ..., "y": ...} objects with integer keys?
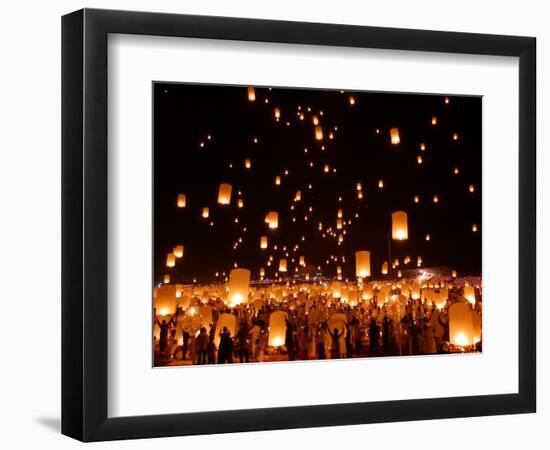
[{"x": 274, "y": 225}]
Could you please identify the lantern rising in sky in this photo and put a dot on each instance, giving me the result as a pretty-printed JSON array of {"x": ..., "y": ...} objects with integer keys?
[
  {"x": 182, "y": 201},
  {"x": 318, "y": 133},
  {"x": 394, "y": 136},
  {"x": 273, "y": 220},
  {"x": 251, "y": 94},
  {"x": 239, "y": 282},
  {"x": 170, "y": 260},
  {"x": 400, "y": 230},
  {"x": 362, "y": 264},
  {"x": 224, "y": 194}
]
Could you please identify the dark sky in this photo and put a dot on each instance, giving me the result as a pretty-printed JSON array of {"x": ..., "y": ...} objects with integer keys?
[{"x": 185, "y": 114}]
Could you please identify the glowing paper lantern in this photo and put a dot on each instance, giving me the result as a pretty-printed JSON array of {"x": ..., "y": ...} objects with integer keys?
[
  {"x": 419, "y": 261},
  {"x": 336, "y": 288},
  {"x": 273, "y": 220},
  {"x": 474, "y": 228},
  {"x": 469, "y": 294},
  {"x": 166, "y": 278},
  {"x": 394, "y": 136},
  {"x": 277, "y": 328},
  {"x": 399, "y": 226},
  {"x": 205, "y": 212},
  {"x": 434, "y": 120},
  {"x": 461, "y": 325},
  {"x": 263, "y": 242},
  {"x": 178, "y": 251},
  {"x": 298, "y": 196},
  {"x": 315, "y": 120},
  {"x": 165, "y": 300},
  {"x": 380, "y": 184},
  {"x": 277, "y": 113},
  {"x": 170, "y": 260},
  {"x": 277, "y": 180},
  {"x": 182, "y": 201},
  {"x": 247, "y": 163},
  {"x": 318, "y": 133},
  {"x": 239, "y": 282},
  {"x": 224, "y": 194},
  {"x": 351, "y": 100},
  {"x": 362, "y": 264},
  {"x": 338, "y": 224},
  {"x": 282, "y": 265},
  {"x": 384, "y": 269},
  {"x": 302, "y": 261},
  {"x": 251, "y": 94}
]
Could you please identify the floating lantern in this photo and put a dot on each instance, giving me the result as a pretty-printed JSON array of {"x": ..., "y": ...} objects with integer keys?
[
  {"x": 165, "y": 300},
  {"x": 273, "y": 220},
  {"x": 263, "y": 242},
  {"x": 380, "y": 184},
  {"x": 247, "y": 164},
  {"x": 399, "y": 226},
  {"x": 422, "y": 146},
  {"x": 461, "y": 325},
  {"x": 182, "y": 201},
  {"x": 205, "y": 212},
  {"x": 239, "y": 281},
  {"x": 394, "y": 136},
  {"x": 419, "y": 261},
  {"x": 359, "y": 195},
  {"x": 456, "y": 170},
  {"x": 277, "y": 180},
  {"x": 455, "y": 136},
  {"x": 318, "y": 133},
  {"x": 362, "y": 264},
  {"x": 453, "y": 274},
  {"x": 447, "y": 100},
  {"x": 262, "y": 272},
  {"x": 384, "y": 269},
  {"x": 251, "y": 94},
  {"x": 469, "y": 294},
  {"x": 224, "y": 194},
  {"x": 298, "y": 196},
  {"x": 338, "y": 224},
  {"x": 315, "y": 120},
  {"x": 471, "y": 188},
  {"x": 277, "y": 328},
  {"x": 178, "y": 251},
  {"x": 428, "y": 237},
  {"x": 277, "y": 113},
  {"x": 419, "y": 159},
  {"x": 358, "y": 186},
  {"x": 302, "y": 261},
  {"x": 240, "y": 203},
  {"x": 166, "y": 278},
  {"x": 170, "y": 260},
  {"x": 336, "y": 288},
  {"x": 282, "y": 265},
  {"x": 436, "y": 199},
  {"x": 399, "y": 274},
  {"x": 434, "y": 120},
  {"x": 416, "y": 199},
  {"x": 474, "y": 228},
  {"x": 351, "y": 100}
]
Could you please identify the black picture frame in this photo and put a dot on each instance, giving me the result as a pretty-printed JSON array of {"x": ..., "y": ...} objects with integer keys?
[{"x": 84, "y": 224}]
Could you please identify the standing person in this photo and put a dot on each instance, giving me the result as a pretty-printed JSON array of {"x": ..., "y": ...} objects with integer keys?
[
  {"x": 163, "y": 341},
  {"x": 225, "y": 353},
  {"x": 243, "y": 344},
  {"x": 335, "y": 343},
  {"x": 289, "y": 340},
  {"x": 349, "y": 342},
  {"x": 303, "y": 342},
  {"x": 320, "y": 337},
  {"x": 201, "y": 344},
  {"x": 373, "y": 337}
]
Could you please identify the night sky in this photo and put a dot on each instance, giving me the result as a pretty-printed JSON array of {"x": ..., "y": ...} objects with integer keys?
[{"x": 185, "y": 114}]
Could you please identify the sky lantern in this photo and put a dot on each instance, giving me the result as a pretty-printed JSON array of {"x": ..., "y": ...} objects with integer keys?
[
  {"x": 239, "y": 281},
  {"x": 166, "y": 279},
  {"x": 436, "y": 199},
  {"x": 394, "y": 136},
  {"x": 419, "y": 261},
  {"x": 165, "y": 301},
  {"x": 336, "y": 288},
  {"x": 240, "y": 203},
  {"x": 315, "y": 120},
  {"x": 416, "y": 199},
  {"x": 282, "y": 265},
  {"x": 178, "y": 251},
  {"x": 277, "y": 113},
  {"x": 170, "y": 260},
  {"x": 251, "y": 94},
  {"x": 182, "y": 201},
  {"x": 273, "y": 220},
  {"x": 469, "y": 294},
  {"x": 428, "y": 237},
  {"x": 453, "y": 274},
  {"x": 263, "y": 242},
  {"x": 247, "y": 163},
  {"x": 384, "y": 269},
  {"x": 474, "y": 228},
  {"x": 362, "y": 264},
  {"x": 302, "y": 261},
  {"x": 471, "y": 188},
  {"x": 340, "y": 213},
  {"x": 358, "y": 186},
  {"x": 434, "y": 120},
  {"x": 262, "y": 272},
  {"x": 461, "y": 325},
  {"x": 419, "y": 159},
  {"x": 422, "y": 146},
  {"x": 351, "y": 100},
  {"x": 318, "y": 133},
  {"x": 277, "y": 328},
  {"x": 455, "y": 136},
  {"x": 205, "y": 212},
  {"x": 224, "y": 194},
  {"x": 298, "y": 196},
  {"x": 339, "y": 224},
  {"x": 380, "y": 184},
  {"x": 277, "y": 180},
  {"x": 399, "y": 226}
]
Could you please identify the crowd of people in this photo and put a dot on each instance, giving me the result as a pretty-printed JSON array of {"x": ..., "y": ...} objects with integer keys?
[{"x": 324, "y": 328}]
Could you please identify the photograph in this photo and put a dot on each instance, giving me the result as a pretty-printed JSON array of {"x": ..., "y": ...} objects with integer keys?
[{"x": 299, "y": 224}]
